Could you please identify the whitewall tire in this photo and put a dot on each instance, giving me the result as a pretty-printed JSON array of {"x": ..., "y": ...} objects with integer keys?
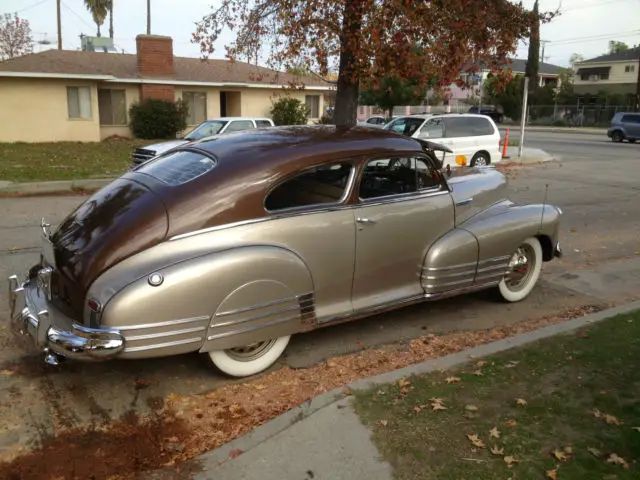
[
  {"x": 250, "y": 359},
  {"x": 525, "y": 267}
]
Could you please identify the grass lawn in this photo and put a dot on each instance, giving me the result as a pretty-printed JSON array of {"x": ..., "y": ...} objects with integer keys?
[
  {"x": 30, "y": 162},
  {"x": 564, "y": 408}
]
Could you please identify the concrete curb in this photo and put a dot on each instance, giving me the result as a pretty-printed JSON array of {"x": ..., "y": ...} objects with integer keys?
[
  {"x": 273, "y": 427},
  {"x": 578, "y": 130},
  {"x": 53, "y": 186}
]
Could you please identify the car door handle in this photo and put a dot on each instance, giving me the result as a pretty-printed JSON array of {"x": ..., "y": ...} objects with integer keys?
[
  {"x": 466, "y": 201},
  {"x": 365, "y": 220}
]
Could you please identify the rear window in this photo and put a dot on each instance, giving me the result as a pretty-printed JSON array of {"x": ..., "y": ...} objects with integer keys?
[
  {"x": 468, "y": 127},
  {"x": 631, "y": 119},
  {"x": 263, "y": 124},
  {"x": 177, "y": 168}
]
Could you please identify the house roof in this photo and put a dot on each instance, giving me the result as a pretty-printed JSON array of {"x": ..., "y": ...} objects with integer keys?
[
  {"x": 631, "y": 54},
  {"x": 117, "y": 66},
  {"x": 518, "y": 65}
]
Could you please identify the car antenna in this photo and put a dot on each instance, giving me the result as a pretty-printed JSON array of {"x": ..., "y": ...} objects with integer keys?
[{"x": 544, "y": 203}]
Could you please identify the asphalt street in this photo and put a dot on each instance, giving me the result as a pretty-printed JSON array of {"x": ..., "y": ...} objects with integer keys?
[{"x": 600, "y": 236}]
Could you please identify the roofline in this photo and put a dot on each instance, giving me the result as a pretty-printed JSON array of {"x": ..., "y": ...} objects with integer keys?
[
  {"x": 112, "y": 79},
  {"x": 594, "y": 60}
]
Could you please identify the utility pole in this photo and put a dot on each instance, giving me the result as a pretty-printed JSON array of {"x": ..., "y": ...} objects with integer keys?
[
  {"x": 148, "y": 17},
  {"x": 525, "y": 97},
  {"x": 638, "y": 88},
  {"x": 59, "y": 25}
]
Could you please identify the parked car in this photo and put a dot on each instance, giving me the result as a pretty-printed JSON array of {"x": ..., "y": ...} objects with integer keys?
[
  {"x": 624, "y": 126},
  {"x": 216, "y": 126},
  {"x": 375, "y": 121},
  {"x": 495, "y": 112},
  {"x": 469, "y": 136},
  {"x": 230, "y": 246}
]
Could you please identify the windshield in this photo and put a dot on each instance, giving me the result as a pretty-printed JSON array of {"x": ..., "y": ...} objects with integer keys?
[{"x": 206, "y": 130}]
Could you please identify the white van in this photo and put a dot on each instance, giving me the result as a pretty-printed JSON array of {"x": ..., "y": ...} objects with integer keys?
[{"x": 475, "y": 136}]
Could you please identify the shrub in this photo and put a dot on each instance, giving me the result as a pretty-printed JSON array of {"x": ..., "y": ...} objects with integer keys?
[
  {"x": 289, "y": 111},
  {"x": 560, "y": 122},
  {"x": 153, "y": 118}
]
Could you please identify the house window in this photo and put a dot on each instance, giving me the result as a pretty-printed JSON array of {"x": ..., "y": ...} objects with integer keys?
[
  {"x": 79, "y": 102},
  {"x": 629, "y": 68},
  {"x": 197, "y": 105},
  {"x": 313, "y": 105},
  {"x": 112, "y": 107}
]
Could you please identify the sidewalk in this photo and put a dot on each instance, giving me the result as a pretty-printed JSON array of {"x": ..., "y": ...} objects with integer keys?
[
  {"x": 529, "y": 156},
  {"x": 41, "y": 188},
  {"x": 552, "y": 129},
  {"x": 324, "y": 439}
]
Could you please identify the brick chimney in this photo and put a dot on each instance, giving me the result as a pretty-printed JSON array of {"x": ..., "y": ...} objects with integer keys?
[{"x": 155, "y": 61}]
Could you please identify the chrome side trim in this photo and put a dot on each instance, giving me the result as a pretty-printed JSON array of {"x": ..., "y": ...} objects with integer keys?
[
  {"x": 452, "y": 267},
  {"x": 432, "y": 192},
  {"x": 252, "y": 328},
  {"x": 449, "y": 284},
  {"x": 448, "y": 275},
  {"x": 492, "y": 275},
  {"x": 383, "y": 306},
  {"x": 168, "y": 323},
  {"x": 171, "y": 333},
  {"x": 493, "y": 267},
  {"x": 260, "y": 305},
  {"x": 459, "y": 291},
  {"x": 162, "y": 345},
  {"x": 494, "y": 259},
  {"x": 466, "y": 201},
  {"x": 255, "y": 317}
]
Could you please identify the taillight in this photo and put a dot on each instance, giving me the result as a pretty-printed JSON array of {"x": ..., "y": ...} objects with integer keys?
[{"x": 94, "y": 305}]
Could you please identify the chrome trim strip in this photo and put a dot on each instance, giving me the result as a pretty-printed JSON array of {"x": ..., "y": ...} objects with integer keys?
[
  {"x": 452, "y": 267},
  {"x": 252, "y": 328},
  {"x": 171, "y": 333},
  {"x": 494, "y": 259},
  {"x": 491, "y": 275},
  {"x": 258, "y": 306},
  {"x": 426, "y": 193},
  {"x": 255, "y": 317},
  {"x": 493, "y": 267},
  {"x": 466, "y": 201},
  {"x": 386, "y": 305},
  {"x": 459, "y": 291},
  {"x": 168, "y": 323},
  {"x": 162, "y": 345},
  {"x": 448, "y": 275},
  {"x": 448, "y": 284}
]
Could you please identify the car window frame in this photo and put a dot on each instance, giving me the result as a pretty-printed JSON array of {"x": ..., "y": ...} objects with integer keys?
[
  {"x": 231, "y": 122},
  {"x": 314, "y": 207},
  {"x": 441, "y": 188}
]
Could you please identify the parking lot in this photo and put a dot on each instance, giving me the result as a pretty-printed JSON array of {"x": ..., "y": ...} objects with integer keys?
[{"x": 595, "y": 183}]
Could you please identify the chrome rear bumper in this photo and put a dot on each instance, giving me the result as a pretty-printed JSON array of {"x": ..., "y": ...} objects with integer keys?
[
  {"x": 52, "y": 331},
  {"x": 557, "y": 251}
]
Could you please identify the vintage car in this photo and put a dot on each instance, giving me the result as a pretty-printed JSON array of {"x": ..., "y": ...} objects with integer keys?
[{"x": 229, "y": 246}]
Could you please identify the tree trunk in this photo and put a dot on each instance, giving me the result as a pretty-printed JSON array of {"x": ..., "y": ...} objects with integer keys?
[
  {"x": 111, "y": 20},
  {"x": 390, "y": 112},
  {"x": 346, "y": 111}
]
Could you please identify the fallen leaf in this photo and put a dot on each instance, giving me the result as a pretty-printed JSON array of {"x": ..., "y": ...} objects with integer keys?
[
  {"x": 260, "y": 387},
  {"x": 381, "y": 392},
  {"x": 511, "y": 423},
  {"x": 471, "y": 408},
  {"x": 331, "y": 363},
  {"x": 481, "y": 363},
  {"x": 235, "y": 453},
  {"x": 452, "y": 379},
  {"x": 596, "y": 413},
  {"x": 383, "y": 422},
  {"x": 404, "y": 391},
  {"x": 417, "y": 409},
  {"x": 610, "y": 419},
  {"x": 637, "y": 429},
  {"x": 595, "y": 452},
  {"x": 616, "y": 460},
  {"x": 436, "y": 399},
  {"x": 510, "y": 461},
  {"x": 511, "y": 364},
  {"x": 494, "y": 433},
  {"x": 435, "y": 406},
  {"x": 568, "y": 449},
  {"x": 475, "y": 440},
  {"x": 521, "y": 401},
  {"x": 497, "y": 451},
  {"x": 478, "y": 373},
  {"x": 560, "y": 455},
  {"x": 552, "y": 474},
  {"x": 403, "y": 383},
  {"x": 347, "y": 391},
  {"x": 7, "y": 372}
]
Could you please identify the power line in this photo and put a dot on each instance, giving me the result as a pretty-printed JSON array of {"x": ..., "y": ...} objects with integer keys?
[
  {"x": 78, "y": 16},
  {"x": 603, "y": 36},
  {"x": 31, "y": 6}
]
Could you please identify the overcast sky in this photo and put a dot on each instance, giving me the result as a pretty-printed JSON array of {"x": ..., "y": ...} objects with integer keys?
[{"x": 585, "y": 26}]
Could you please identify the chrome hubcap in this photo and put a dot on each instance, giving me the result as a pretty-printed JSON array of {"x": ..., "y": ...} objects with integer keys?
[
  {"x": 520, "y": 268},
  {"x": 481, "y": 162},
  {"x": 250, "y": 352}
]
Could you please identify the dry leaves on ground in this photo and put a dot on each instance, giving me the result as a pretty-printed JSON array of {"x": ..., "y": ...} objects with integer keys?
[
  {"x": 452, "y": 379},
  {"x": 510, "y": 460},
  {"x": 403, "y": 382},
  {"x": 494, "y": 433},
  {"x": 497, "y": 451},
  {"x": 476, "y": 441},
  {"x": 478, "y": 373},
  {"x": 610, "y": 419},
  {"x": 383, "y": 422},
  {"x": 594, "y": 451},
  {"x": 511, "y": 364},
  {"x": 616, "y": 460},
  {"x": 560, "y": 455},
  {"x": 437, "y": 404},
  {"x": 552, "y": 474},
  {"x": 521, "y": 402},
  {"x": 471, "y": 408},
  {"x": 511, "y": 423}
]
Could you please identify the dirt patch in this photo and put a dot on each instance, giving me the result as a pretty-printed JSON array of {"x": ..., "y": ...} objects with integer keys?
[
  {"x": 186, "y": 426},
  {"x": 74, "y": 192}
]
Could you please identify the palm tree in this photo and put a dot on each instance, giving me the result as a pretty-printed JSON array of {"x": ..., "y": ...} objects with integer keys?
[
  {"x": 98, "y": 10},
  {"x": 110, "y": 8}
]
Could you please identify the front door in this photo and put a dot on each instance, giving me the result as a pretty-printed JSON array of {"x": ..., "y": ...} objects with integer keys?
[{"x": 403, "y": 209}]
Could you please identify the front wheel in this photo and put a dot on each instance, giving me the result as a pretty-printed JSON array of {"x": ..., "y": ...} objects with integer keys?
[
  {"x": 617, "y": 136},
  {"x": 480, "y": 159},
  {"x": 525, "y": 267},
  {"x": 249, "y": 359}
]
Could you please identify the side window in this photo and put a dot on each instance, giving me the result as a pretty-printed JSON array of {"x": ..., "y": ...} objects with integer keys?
[
  {"x": 263, "y": 124},
  {"x": 631, "y": 119},
  {"x": 398, "y": 125},
  {"x": 320, "y": 185},
  {"x": 432, "y": 129},
  {"x": 457, "y": 127},
  {"x": 239, "y": 125},
  {"x": 481, "y": 126},
  {"x": 395, "y": 176}
]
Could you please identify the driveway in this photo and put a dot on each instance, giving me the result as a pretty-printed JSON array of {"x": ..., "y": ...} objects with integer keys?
[{"x": 600, "y": 238}]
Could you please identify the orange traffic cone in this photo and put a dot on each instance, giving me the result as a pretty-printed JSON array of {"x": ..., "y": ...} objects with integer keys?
[{"x": 505, "y": 145}]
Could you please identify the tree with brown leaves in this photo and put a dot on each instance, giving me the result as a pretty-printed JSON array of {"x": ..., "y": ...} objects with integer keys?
[
  {"x": 371, "y": 39},
  {"x": 15, "y": 36}
]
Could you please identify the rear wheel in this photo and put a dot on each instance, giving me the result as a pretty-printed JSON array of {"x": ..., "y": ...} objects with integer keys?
[
  {"x": 617, "y": 136},
  {"x": 480, "y": 159},
  {"x": 248, "y": 359},
  {"x": 632, "y": 140},
  {"x": 525, "y": 267}
]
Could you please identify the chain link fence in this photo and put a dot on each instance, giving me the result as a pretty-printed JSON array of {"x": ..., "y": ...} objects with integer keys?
[{"x": 574, "y": 115}]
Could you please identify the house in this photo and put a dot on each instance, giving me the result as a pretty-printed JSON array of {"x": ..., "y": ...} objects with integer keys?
[
  {"x": 59, "y": 95},
  {"x": 613, "y": 73},
  {"x": 548, "y": 74}
]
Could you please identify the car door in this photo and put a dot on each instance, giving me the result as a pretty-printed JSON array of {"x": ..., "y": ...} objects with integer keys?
[
  {"x": 633, "y": 126},
  {"x": 460, "y": 138},
  {"x": 403, "y": 207}
]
